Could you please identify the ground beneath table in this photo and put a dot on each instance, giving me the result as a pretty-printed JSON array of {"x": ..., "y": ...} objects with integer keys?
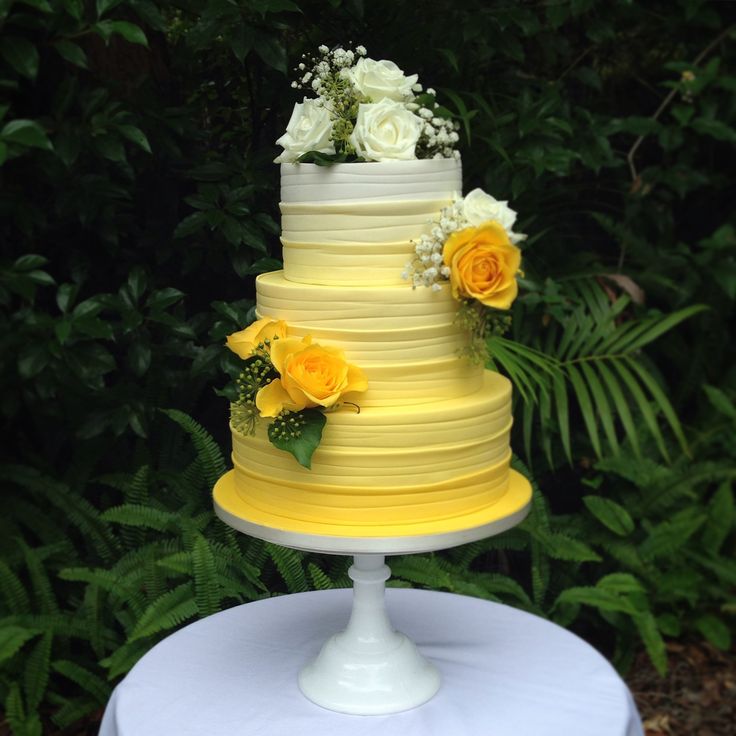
[{"x": 696, "y": 698}]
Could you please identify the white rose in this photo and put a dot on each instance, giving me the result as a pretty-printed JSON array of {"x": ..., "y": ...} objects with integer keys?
[
  {"x": 385, "y": 131},
  {"x": 479, "y": 207},
  {"x": 309, "y": 129},
  {"x": 380, "y": 80}
]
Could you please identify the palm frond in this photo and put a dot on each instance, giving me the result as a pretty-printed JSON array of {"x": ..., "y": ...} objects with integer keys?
[{"x": 592, "y": 358}]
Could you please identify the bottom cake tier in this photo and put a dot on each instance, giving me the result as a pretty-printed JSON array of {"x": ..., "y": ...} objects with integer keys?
[{"x": 385, "y": 467}]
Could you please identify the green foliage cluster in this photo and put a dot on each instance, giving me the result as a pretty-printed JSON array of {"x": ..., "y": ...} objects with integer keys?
[{"x": 138, "y": 199}]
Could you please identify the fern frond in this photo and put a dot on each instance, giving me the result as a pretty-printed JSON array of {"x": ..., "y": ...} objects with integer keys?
[
  {"x": 289, "y": 564},
  {"x": 73, "y": 710},
  {"x": 40, "y": 583},
  {"x": 121, "y": 661},
  {"x": 12, "y": 638},
  {"x": 422, "y": 570},
  {"x": 206, "y": 587},
  {"x": 208, "y": 453},
  {"x": 77, "y": 511},
  {"x": 320, "y": 580},
  {"x": 88, "y": 681},
  {"x": 12, "y": 590},
  {"x": 145, "y": 516},
  {"x": 36, "y": 672},
  {"x": 166, "y": 612}
]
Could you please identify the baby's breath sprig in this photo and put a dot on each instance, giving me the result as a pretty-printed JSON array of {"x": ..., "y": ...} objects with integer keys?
[
  {"x": 439, "y": 134},
  {"x": 427, "y": 267},
  {"x": 325, "y": 75}
]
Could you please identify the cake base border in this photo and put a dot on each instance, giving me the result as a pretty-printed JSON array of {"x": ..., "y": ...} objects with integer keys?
[{"x": 347, "y": 539}]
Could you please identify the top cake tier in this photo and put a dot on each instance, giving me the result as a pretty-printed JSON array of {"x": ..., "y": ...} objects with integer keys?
[{"x": 353, "y": 224}]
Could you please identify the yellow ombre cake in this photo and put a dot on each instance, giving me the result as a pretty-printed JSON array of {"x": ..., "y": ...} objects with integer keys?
[{"x": 425, "y": 448}]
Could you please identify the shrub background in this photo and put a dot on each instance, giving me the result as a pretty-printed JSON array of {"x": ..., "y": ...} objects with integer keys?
[{"x": 137, "y": 202}]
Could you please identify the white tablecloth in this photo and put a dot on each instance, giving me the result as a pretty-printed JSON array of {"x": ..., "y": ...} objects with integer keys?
[{"x": 504, "y": 673}]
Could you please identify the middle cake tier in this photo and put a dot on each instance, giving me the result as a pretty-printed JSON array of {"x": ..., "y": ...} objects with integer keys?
[{"x": 406, "y": 341}]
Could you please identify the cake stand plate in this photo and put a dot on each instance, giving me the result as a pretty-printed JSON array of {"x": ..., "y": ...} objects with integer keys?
[
  {"x": 370, "y": 669},
  {"x": 351, "y": 539}
]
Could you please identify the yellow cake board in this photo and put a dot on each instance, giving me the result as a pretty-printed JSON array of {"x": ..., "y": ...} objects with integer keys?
[{"x": 233, "y": 508}]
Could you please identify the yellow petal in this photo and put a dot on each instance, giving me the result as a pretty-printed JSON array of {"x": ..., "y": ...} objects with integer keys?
[
  {"x": 272, "y": 399},
  {"x": 282, "y": 349}
]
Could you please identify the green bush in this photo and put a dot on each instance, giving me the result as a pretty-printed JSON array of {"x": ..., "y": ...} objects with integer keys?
[{"x": 137, "y": 201}]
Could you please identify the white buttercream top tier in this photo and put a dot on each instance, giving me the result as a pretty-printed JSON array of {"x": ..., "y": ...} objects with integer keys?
[
  {"x": 354, "y": 224},
  {"x": 375, "y": 181}
]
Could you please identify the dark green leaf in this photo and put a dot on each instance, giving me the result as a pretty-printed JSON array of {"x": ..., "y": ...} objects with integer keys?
[
  {"x": 21, "y": 54},
  {"x": 73, "y": 53},
  {"x": 270, "y": 49},
  {"x": 32, "y": 360},
  {"x": 26, "y": 133},
  {"x": 298, "y": 433},
  {"x": 103, "y": 6},
  {"x": 136, "y": 135},
  {"x": 610, "y": 514},
  {"x": 129, "y": 31}
]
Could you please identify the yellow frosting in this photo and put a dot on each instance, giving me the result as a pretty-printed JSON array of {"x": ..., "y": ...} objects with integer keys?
[{"x": 430, "y": 443}]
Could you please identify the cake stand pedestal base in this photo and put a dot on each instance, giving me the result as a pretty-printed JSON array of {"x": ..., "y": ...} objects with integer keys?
[{"x": 369, "y": 669}]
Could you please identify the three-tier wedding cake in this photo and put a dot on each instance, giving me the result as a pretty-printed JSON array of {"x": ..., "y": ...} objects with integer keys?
[{"x": 362, "y": 409}]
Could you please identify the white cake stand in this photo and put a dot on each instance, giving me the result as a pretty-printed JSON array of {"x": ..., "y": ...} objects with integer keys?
[{"x": 369, "y": 668}]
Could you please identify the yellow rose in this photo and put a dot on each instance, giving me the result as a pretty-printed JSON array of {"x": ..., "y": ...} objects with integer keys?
[
  {"x": 310, "y": 375},
  {"x": 243, "y": 343},
  {"x": 483, "y": 264}
]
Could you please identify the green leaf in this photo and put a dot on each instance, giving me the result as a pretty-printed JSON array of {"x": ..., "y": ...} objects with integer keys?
[
  {"x": 139, "y": 357},
  {"x": 191, "y": 224},
  {"x": 721, "y": 518},
  {"x": 603, "y": 600},
  {"x": 714, "y": 128},
  {"x": 29, "y": 262},
  {"x": 21, "y": 54},
  {"x": 26, "y": 133},
  {"x": 715, "y": 631},
  {"x": 103, "y": 6},
  {"x": 135, "y": 135},
  {"x": 586, "y": 407},
  {"x": 322, "y": 159},
  {"x": 298, "y": 433},
  {"x": 164, "y": 298},
  {"x": 610, "y": 514},
  {"x": 270, "y": 49},
  {"x": 720, "y": 401},
  {"x": 129, "y": 31},
  {"x": 73, "y": 53}
]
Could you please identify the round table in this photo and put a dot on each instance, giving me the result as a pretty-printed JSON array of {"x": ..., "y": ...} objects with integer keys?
[{"x": 505, "y": 672}]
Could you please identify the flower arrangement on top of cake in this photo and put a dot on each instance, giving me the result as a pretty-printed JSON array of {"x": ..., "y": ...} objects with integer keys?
[{"x": 365, "y": 110}]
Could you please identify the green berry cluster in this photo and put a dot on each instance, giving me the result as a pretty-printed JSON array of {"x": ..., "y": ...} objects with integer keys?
[{"x": 287, "y": 426}]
